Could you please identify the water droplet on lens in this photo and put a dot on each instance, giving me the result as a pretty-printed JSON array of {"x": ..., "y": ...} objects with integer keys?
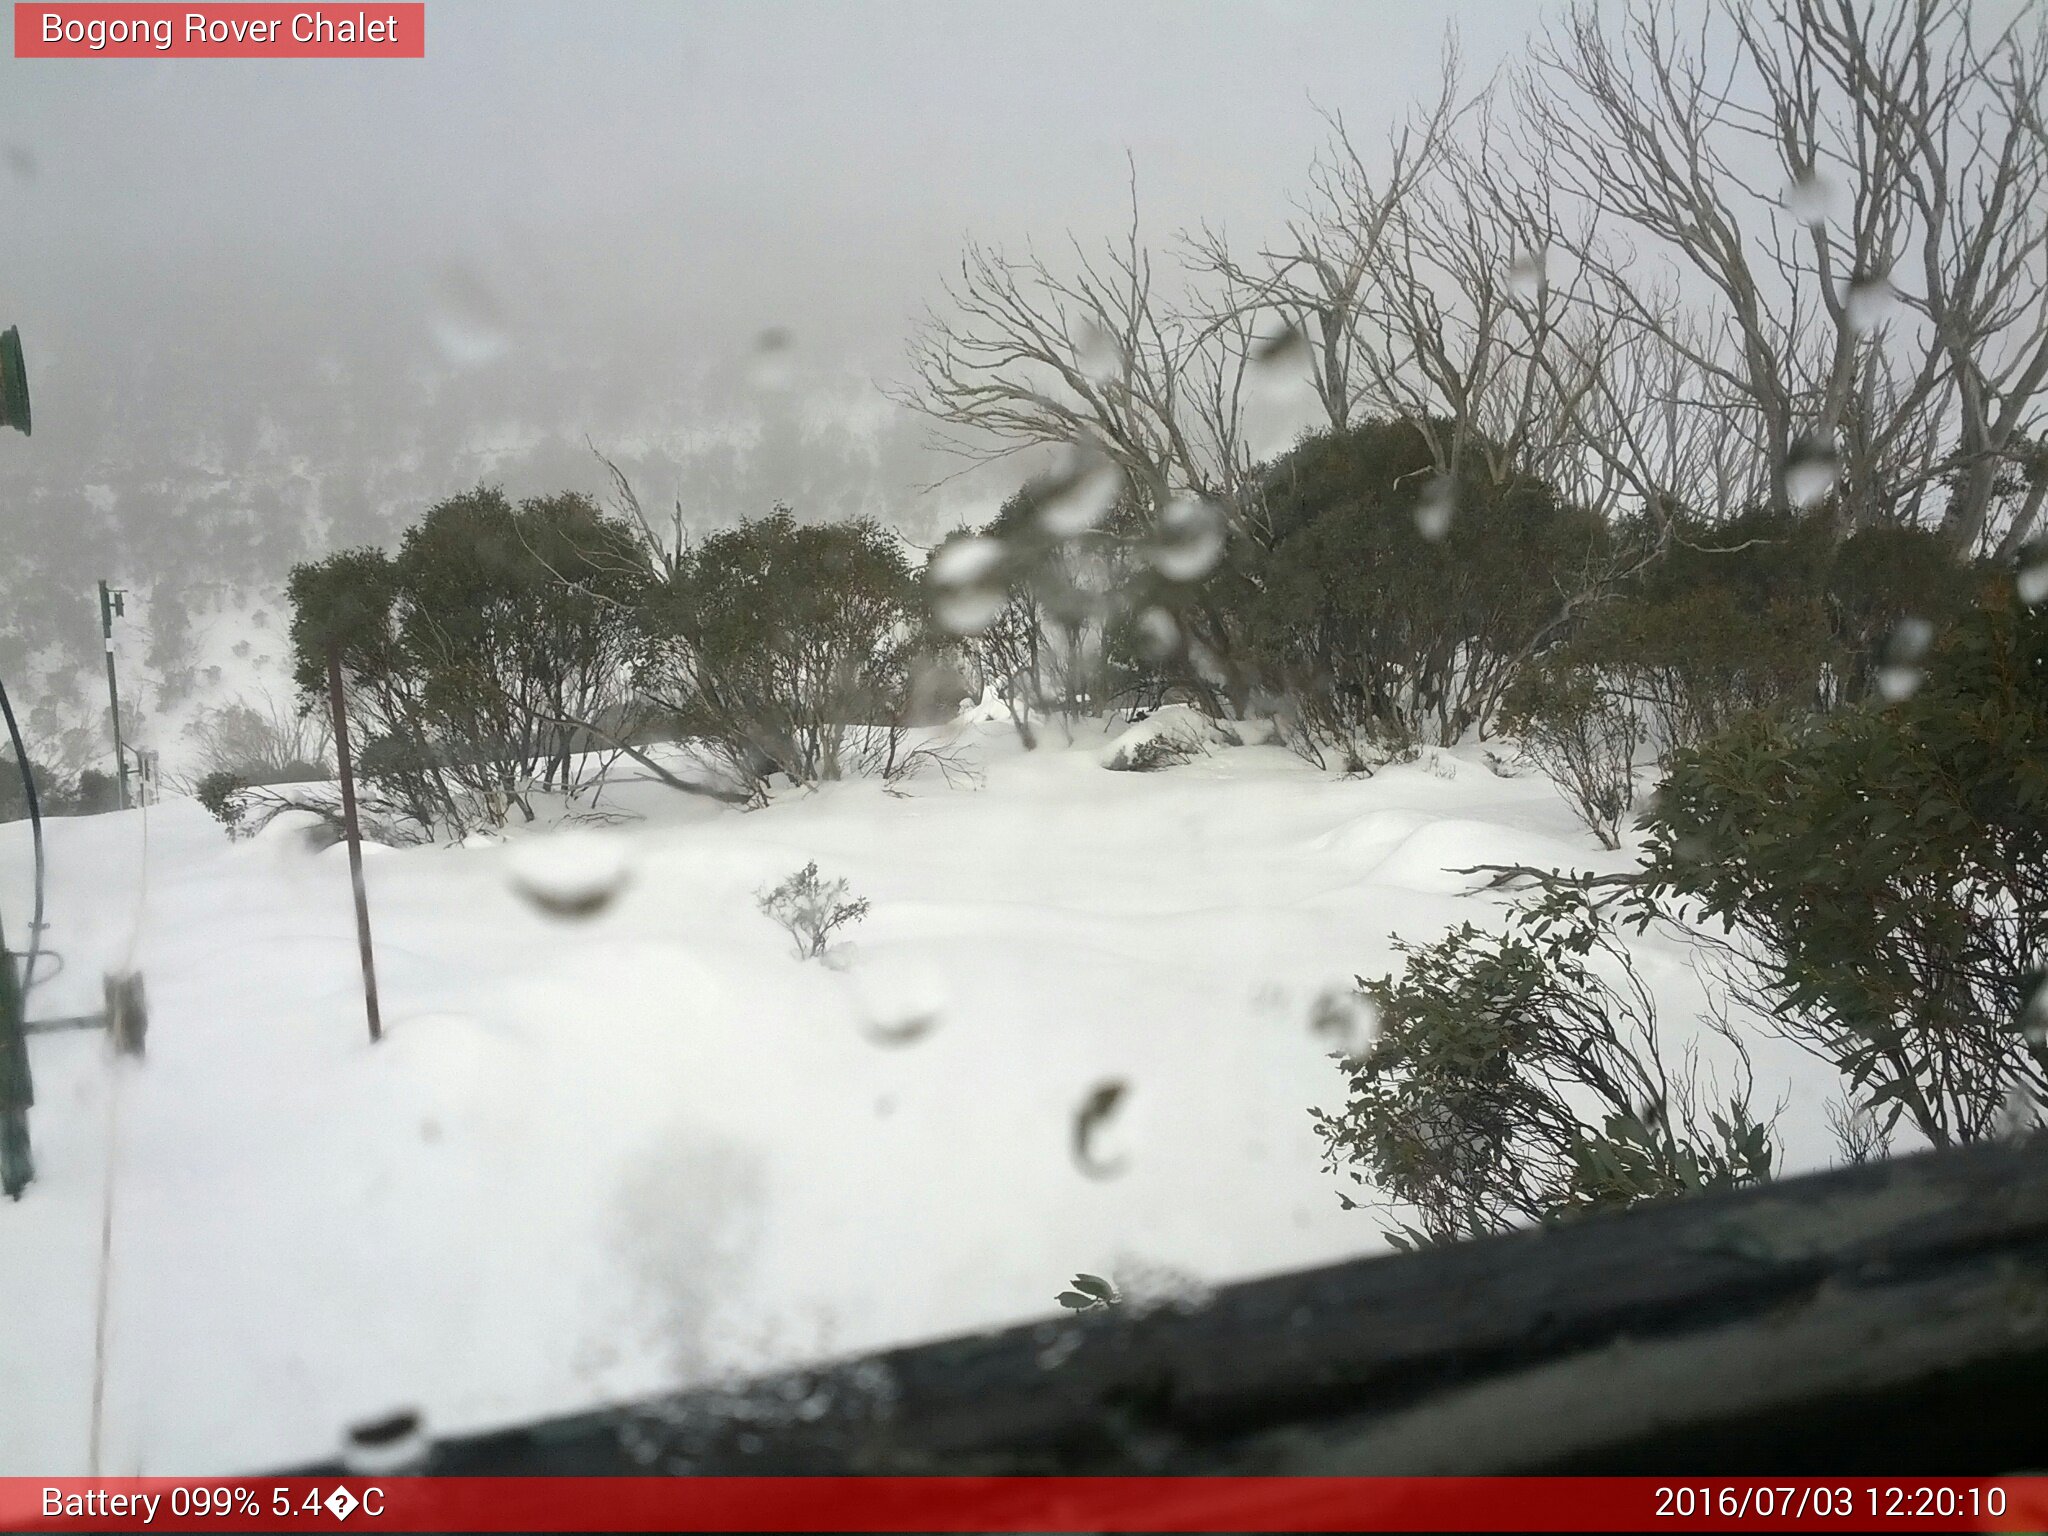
[
  {"x": 468, "y": 324},
  {"x": 382, "y": 1447},
  {"x": 1810, "y": 196},
  {"x": 771, "y": 365},
  {"x": 1080, "y": 492},
  {"x": 968, "y": 610},
  {"x": 1099, "y": 354},
  {"x": 1911, "y": 637},
  {"x": 1529, "y": 274},
  {"x": 968, "y": 594},
  {"x": 21, "y": 161},
  {"x": 1281, "y": 348},
  {"x": 1190, "y": 540},
  {"x": 2032, "y": 581},
  {"x": 2033, "y": 1019},
  {"x": 899, "y": 1001},
  {"x": 1900, "y": 676},
  {"x": 1158, "y": 634},
  {"x": 1092, "y": 1122},
  {"x": 1346, "y": 1020},
  {"x": 961, "y": 561},
  {"x": 1810, "y": 471},
  {"x": 1436, "y": 508},
  {"x": 1869, "y": 301},
  {"x": 569, "y": 873},
  {"x": 2020, "y": 1116}
]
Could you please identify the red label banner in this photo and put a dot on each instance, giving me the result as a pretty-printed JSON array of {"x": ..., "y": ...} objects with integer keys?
[
  {"x": 1023, "y": 1504},
  {"x": 259, "y": 30}
]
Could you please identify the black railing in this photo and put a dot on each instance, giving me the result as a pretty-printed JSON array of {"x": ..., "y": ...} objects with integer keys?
[{"x": 1884, "y": 1319}]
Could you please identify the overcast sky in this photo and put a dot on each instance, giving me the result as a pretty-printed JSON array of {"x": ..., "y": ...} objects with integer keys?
[
  {"x": 639, "y": 187},
  {"x": 808, "y": 164}
]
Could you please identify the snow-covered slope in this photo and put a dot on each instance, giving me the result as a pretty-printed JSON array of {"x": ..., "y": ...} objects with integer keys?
[{"x": 596, "y": 1157}]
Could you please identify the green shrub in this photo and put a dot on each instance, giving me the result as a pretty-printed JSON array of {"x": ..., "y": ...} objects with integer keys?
[
  {"x": 218, "y": 792},
  {"x": 95, "y": 793},
  {"x": 499, "y": 640},
  {"x": 53, "y": 794},
  {"x": 791, "y": 648},
  {"x": 1881, "y": 873},
  {"x": 1766, "y": 612},
  {"x": 1690, "y": 664},
  {"x": 1153, "y": 754},
  {"x": 1368, "y": 612},
  {"x": 1584, "y": 737},
  {"x": 1510, "y": 1081}
]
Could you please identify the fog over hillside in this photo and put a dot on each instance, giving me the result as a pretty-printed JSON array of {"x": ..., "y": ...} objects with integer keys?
[{"x": 694, "y": 237}]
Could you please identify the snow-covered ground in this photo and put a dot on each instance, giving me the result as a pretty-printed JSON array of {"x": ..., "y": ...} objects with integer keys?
[{"x": 598, "y": 1156}]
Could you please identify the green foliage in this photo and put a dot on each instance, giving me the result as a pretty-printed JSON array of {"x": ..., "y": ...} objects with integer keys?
[
  {"x": 1630, "y": 1159},
  {"x": 1692, "y": 663},
  {"x": 1089, "y": 1293},
  {"x": 1168, "y": 749},
  {"x": 95, "y": 793},
  {"x": 89, "y": 794},
  {"x": 344, "y": 602},
  {"x": 1520, "y": 1077},
  {"x": 52, "y": 794},
  {"x": 1583, "y": 736},
  {"x": 495, "y": 644},
  {"x": 1880, "y": 578},
  {"x": 789, "y": 648},
  {"x": 812, "y": 910},
  {"x": 1883, "y": 871},
  {"x": 217, "y": 792},
  {"x": 1362, "y": 618},
  {"x": 1764, "y": 612}
]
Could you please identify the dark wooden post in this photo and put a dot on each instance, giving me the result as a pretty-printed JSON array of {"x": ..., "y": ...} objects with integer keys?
[
  {"x": 355, "y": 840},
  {"x": 17, "y": 1088}
]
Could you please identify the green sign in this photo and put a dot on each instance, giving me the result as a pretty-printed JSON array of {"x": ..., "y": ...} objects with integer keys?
[{"x": 13, "y": 382}]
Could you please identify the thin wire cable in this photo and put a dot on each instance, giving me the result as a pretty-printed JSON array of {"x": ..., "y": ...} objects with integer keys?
[{"x": 104, "y": 1288}]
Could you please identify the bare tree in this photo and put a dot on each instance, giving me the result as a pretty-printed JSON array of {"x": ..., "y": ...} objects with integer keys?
[
  {"x": 666, "y": 544},
  {"x": 1483, "y": 353},
  {"x": 263, "y": 740},
  {"x": 1835, "y": 222},
  {"x": 1094, "y": 355},
  {"x": 1317, "y": 280}
]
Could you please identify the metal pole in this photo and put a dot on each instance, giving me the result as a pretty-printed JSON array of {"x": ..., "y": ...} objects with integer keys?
[
  {"x": 17, "y": 1089},
  {"x": 355, "y": 840},
  {"x": 113, "y": 695}
]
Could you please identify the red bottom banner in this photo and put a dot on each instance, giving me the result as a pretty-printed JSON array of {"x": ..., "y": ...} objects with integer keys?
[{"x": 1046, "y": 1504}]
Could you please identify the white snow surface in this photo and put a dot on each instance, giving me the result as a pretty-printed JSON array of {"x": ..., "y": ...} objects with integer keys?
[{"x": 600, "y": 1156}]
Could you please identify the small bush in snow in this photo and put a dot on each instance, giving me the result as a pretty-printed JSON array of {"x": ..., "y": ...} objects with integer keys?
[
  {"x": 1323, "y": 733},
  {"x": 1153, "y": 754},
  {"x": 1509, "y": 1081},
  {"x": 811, "y": 909},
  {"x": 1164, "y": 738},
  {"x": 218, "y": 792},
  {"x": 1584, "y": 738}
]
